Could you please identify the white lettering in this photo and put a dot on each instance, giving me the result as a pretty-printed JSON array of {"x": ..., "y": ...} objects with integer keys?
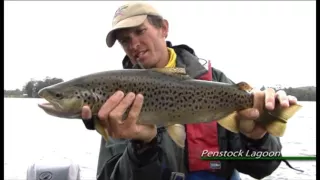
[
  {"x": 261, "y": 154},
  {"x": 204, "y": 152}
]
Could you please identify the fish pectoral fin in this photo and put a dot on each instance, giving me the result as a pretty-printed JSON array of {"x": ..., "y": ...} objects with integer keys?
[
  {"x": 101, "y": 130},
  {"x": 177, "y": 133},
  {"x": 230, "y": 122}
]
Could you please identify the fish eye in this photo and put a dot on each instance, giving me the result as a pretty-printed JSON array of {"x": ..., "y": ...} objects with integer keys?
[{"x": 59, "y": 95}]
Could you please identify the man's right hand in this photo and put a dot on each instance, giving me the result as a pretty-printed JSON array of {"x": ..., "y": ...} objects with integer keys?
[{"x": 111, "y": 113}]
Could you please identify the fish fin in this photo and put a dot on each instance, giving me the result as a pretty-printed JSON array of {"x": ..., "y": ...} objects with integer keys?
[
  {"x": 104, "y": 133},
  {"x": 177, "y": 133},
  {"x": 171, "y": 71},
  {"x": 275, "y": 121},
  {"x": 284, "y": 114},
  {"x": 246, "y": 126},
  {"x": 276, "y": 128},
  {"x": 244, "y": 86},
  {"x": 230, "y": 122}
]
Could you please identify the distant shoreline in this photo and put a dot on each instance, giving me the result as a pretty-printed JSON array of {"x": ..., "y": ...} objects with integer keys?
[{"x": 31, "y": 88}]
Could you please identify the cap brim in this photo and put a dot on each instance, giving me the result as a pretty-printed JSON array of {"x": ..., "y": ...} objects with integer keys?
[{"x": 126, "y": 23}]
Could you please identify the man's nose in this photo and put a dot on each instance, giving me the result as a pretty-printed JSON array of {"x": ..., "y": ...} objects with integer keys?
[{"x": 135, "y": 43}]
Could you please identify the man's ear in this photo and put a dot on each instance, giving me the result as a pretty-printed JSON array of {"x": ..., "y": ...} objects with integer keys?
[{"x": 165, "y": 28}]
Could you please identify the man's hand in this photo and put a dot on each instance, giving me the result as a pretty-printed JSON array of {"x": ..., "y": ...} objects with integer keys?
[
  {"x": 262, "y": 99},
  {"x": 111, "y": 113}
]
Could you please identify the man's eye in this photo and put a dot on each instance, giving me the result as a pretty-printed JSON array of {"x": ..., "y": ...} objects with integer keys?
[
  {"x": 123, "y": 41},
  {"x": 140, "y": 31}
]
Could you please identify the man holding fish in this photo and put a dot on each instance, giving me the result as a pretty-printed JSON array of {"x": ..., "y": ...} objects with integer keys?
[
  {"x": 145, "y": 151},
  {"x": 141, "y": 32}
]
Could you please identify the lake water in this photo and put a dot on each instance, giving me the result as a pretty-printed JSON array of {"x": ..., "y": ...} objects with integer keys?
[{"x": 31, "y": 135}]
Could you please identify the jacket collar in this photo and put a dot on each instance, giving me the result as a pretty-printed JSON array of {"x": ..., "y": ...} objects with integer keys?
[{"x": 186, "y": 58}]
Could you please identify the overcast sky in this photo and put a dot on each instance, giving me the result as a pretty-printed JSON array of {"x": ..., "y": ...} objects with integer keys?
[{"x": 265, "y": 42}]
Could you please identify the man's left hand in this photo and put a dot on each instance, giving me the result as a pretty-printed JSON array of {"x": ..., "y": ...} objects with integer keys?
[{"x": 267, "y": 99}]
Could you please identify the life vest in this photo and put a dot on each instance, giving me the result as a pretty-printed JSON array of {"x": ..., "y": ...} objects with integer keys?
[{"x": 202, "y": 136}]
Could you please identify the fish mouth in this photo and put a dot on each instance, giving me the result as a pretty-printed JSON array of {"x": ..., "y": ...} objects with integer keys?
[
  {"x": 53, "y": 110},
  {"x": 49, "y": 107}
]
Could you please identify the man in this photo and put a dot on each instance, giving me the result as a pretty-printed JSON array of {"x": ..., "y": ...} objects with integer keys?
[{"x": 145, "y": 152}]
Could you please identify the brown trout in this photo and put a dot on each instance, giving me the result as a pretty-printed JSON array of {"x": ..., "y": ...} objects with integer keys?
[{"x": 171, "y": 99}]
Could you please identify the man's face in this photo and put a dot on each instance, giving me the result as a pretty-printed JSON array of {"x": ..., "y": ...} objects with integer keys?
[{"x": 144, "y": 43}]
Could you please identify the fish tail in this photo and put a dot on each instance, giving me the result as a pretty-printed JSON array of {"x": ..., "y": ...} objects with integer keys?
[
  {"x": 276, "y": 128},
  {"x": 101, "y": 130},
  {"x": 283, "y": 114},
  {"x": 275, "y": 122},
  {"x": 177, "y": 133}
]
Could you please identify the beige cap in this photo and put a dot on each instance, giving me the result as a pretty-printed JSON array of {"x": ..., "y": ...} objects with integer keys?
[{"x": 129, "y": 15}]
